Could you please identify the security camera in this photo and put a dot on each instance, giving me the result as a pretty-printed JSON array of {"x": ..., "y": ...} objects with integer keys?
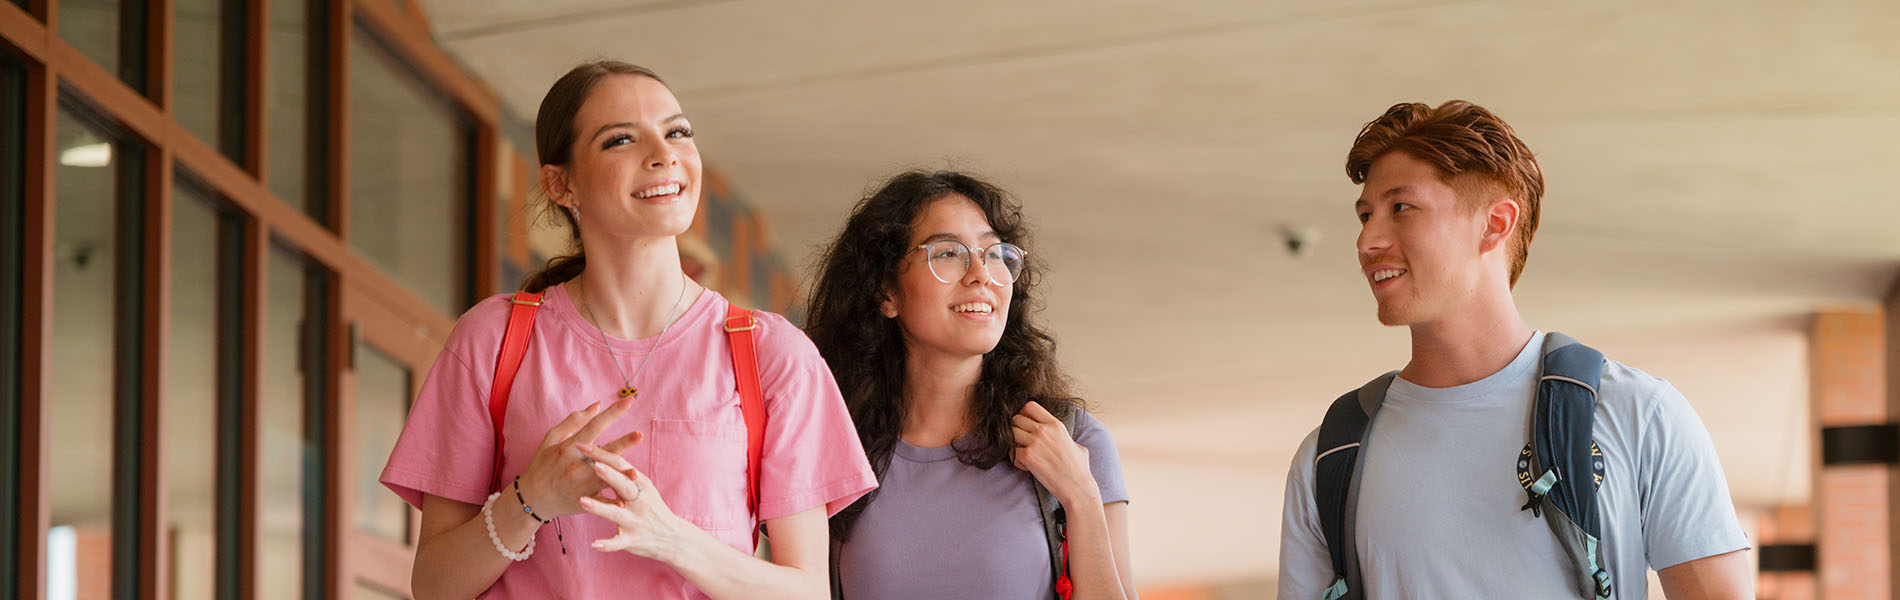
[
  {"x": 79, "y": 253},
  {"x": 1298, "y": 238}
]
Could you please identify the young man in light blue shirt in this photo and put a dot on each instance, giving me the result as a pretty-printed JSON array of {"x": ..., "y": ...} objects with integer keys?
[{"x": 1448, "y": 204}]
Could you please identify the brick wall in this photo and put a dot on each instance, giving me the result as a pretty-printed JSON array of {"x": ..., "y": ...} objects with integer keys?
[
  {"x": 92, "y": 562},
  {"x": 1852, "y": 503},
  {"x": 1893, "y": 414},
  {"x": 1786, "y": 526}
]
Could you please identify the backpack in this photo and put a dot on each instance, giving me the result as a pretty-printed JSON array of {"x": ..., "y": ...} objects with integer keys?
[
  {"x": 739, "y": 325},
  {"x": 1055, "y": 531},
  {"x": 1560, "y": 469}
]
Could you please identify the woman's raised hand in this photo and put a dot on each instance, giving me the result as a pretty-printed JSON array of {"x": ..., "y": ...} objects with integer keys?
[
  {"x": 561, "y": 472},
  {"x": 1045, "y": 449},
  {"x": 646, "y": 523}
]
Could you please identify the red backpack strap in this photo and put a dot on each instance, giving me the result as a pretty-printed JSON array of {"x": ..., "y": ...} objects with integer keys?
[
  {"x": 514, "y": 346},
  {"x": 739, "y": 326}
]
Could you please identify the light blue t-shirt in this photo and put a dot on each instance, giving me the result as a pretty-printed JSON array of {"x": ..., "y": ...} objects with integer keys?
[
  {"x": 939, "y": 528},
  {"x": 1439, "y": 498}
]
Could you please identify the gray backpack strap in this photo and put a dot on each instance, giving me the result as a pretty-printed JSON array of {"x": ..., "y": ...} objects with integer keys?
[
  {"x": 1561, "y": 468},
  {"x": 1342, "y": 437},
  {"x": 837, "y": 582},
  {"x": 1055, "y": 524}
]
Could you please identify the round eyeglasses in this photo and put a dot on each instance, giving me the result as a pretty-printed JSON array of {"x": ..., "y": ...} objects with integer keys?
[{"x": 949, "y": 261}]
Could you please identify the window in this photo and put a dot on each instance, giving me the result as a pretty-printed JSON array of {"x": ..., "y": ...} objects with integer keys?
[
  {"x": 208, "y": 64},
  {"x": 295, "y": 68},
  {"x": 110, "y": 32},
  {"x": 382, "y": 406},
  {"x": 410, "y": 157},
  {"x": 200, "y": 389},
  {"x": 290, "y": 491},
  {"x": 93, "y": 398}
]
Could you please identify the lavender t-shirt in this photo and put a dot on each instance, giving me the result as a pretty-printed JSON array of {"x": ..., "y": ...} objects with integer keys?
[{"x": 939, "y": 528}]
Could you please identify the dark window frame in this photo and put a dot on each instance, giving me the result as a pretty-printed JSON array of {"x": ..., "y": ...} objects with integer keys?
[{"x": 12, "y": 294}]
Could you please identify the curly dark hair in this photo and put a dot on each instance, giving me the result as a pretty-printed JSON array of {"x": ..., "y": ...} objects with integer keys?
[{"x": 866, "y": 351}]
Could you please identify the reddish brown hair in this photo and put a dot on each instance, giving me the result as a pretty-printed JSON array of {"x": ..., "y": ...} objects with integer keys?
[{"x": 1463, "y": 140}]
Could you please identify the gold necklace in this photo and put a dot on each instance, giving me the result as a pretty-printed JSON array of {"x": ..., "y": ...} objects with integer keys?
[{"x": 626, "y": 388}]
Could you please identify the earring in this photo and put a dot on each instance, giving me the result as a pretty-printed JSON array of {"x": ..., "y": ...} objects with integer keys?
[{"x": 576, "y": 211}]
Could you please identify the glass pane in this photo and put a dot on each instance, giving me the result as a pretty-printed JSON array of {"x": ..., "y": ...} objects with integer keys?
[
  {"x": 286, "y": 447},
  {"x": 518, "y": 218},
  {"x": 201, "y": 243},
  {"x": 382, "y": 404},
  {"x": 504, "y": 194},
  {"x": 93, "y": 27},
  {"x": 205, "y": 62},
  {"x": 13, "y": 124},
  {"x": 409, "y": 158},
  {"x": 79, "y": 409},
  {"x": 288, "y": 109}
]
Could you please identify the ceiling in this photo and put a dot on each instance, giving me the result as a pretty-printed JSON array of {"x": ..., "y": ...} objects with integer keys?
[{"x": 1714, "y": 175}]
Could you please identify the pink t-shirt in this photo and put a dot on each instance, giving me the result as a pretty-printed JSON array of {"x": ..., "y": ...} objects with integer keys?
[{"x": 688, "y": 407}]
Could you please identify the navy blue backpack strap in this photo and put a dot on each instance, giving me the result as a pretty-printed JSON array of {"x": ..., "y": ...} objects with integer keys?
[
  {"x": 1561, "y": 468},
  {"x": 1341, "y": 440}
]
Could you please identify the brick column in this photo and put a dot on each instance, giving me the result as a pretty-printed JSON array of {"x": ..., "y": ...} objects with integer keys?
[
  {"x": 1853, "y": 487},
  {"x": 1785, "y": 550},
  {"x": 1893, "y": 414}
]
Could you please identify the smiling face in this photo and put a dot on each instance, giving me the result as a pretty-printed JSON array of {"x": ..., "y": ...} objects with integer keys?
[
  {"x": 962, "y": 318},
  {"x": 635, "y": 170},
  {"x": 1425, "y": 252}
]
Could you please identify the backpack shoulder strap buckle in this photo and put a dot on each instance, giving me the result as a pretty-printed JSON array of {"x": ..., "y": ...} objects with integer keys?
[{"x": 738, "y": 323}]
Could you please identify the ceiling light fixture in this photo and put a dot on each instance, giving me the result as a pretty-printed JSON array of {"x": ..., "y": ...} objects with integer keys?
[{"x": 87, "y": 155}]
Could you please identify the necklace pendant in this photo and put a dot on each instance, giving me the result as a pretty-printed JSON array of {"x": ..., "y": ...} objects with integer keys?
[{"x": 628, "y": 392}]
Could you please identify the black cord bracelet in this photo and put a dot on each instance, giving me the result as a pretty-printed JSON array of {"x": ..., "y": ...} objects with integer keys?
[
  {"x": 524, "y": 503},
  {"x": 562, "y": 539}
]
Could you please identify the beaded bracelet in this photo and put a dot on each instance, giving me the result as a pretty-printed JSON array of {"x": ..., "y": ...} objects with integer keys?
[
  {"x": 537, "y": 518},
  {"x": 524, "y": 503},
  {"x": 488, "y": 517}
]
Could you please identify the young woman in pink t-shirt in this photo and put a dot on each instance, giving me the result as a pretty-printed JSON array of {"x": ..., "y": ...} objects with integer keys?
[
  {"x": 625, "y": 459},
  {"x": 923, "y": 308}
]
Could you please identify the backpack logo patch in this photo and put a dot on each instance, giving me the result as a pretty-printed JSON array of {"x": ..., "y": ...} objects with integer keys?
[{"x": 1526, "y": 478}]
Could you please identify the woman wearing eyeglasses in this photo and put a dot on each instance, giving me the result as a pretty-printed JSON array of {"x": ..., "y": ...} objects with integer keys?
[{"x": 922, "y": 309}]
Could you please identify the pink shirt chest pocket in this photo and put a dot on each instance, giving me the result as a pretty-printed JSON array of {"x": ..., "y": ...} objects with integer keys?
[{"x": 699, "y": 467}]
